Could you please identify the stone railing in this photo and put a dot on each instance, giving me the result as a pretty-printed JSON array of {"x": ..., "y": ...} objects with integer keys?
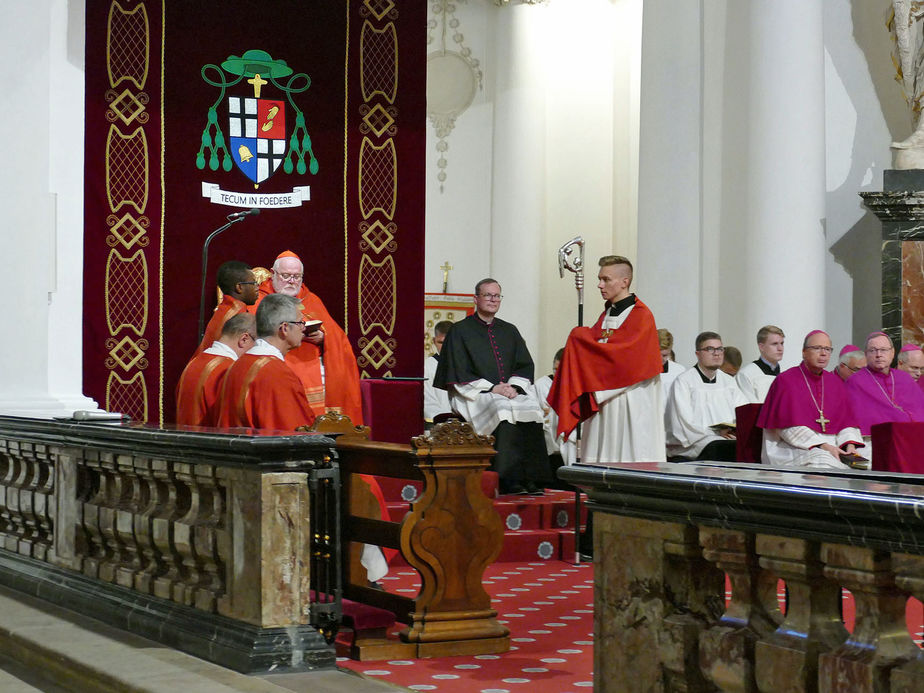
[
  {"x": 665, "y": 536},
  {"x": 206, "y": 541}
]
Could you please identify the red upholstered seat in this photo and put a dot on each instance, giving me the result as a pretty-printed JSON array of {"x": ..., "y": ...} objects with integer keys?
[
  {"x": 750, "y": 438},
  {"x": 392, "y": 409}
]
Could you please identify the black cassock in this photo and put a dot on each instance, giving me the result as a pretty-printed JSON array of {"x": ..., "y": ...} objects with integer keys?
[{"x": 495, "y": 351}]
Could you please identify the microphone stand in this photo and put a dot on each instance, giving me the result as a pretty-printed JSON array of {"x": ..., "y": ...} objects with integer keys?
[
  {"x": 571, "y": 258},
  {"x": 205, "y": 260}
]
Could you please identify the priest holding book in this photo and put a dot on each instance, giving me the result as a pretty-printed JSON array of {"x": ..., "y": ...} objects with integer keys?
[{"x": 807, "y": 418}]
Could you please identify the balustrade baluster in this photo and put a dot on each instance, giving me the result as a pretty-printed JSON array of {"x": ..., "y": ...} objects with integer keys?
[
  {"x": 13, "y": 492},
  {"x": 184, "y": 591},
  {"x": 909, "y": 576},
  {"x": 880, "y": 640},
  {"x": 726, "y": 652},
  {"x": 206, "y": 540},
  {"x": 126, "y": 510},
  {"x": 96, "y": 492},
  {"x": 787, "y": 660},
  {"x": 172, "y": 504},
  {"x": 43, "y": 507}
]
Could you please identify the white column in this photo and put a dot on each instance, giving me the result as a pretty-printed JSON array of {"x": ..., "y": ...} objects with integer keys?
[
  {"x": 518, "y": 190},
  {"x": 785, "y": 249},
  {"x": 29, "y": 229},
  {"x": 670, "y": 231}
]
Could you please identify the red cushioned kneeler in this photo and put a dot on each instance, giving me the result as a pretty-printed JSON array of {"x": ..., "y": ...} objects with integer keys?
[
  {"x": 392, "y": 409},
  {"x": 750, "y": 438}
]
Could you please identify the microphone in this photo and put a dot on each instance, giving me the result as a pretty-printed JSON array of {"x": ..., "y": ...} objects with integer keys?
[{"x": 241, "y": 215}]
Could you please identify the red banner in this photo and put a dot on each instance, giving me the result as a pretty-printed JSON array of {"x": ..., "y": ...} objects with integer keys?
[{"x": 198, "y": 110}]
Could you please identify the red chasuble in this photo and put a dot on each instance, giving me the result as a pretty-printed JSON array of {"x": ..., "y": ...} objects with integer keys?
[
  {"x": 629, "y": 355},
  {"x": 263, "y": 392},
  {"x": 341, "y": 376},
  {"x": 227, "y": 309},
  {"x": 199, "y": 389}
]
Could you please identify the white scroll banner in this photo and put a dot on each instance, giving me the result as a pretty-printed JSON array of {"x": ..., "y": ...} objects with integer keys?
[{"x": 218, "y": 196}]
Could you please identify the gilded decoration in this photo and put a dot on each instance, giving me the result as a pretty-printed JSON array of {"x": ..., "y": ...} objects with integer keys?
[
  {"x": 127, "y": 170},
  {"x": 452, "y": 433},
  {"x": 378, "y": 178},
  {"x": 378, "y": 187},
  {"x": 127, "y": 395},
  {"x": 127, "y": 183},
  {"x": 378, "y": 54},
  {"x": 128, "y": 45},
  {"x": 378, "y": 303},
  {"x": 126, "y": 292}
]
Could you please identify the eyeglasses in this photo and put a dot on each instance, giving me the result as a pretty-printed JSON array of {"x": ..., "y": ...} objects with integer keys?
[
  {"x": 879, "y": 351},
  {"x": 300, "y": 323},
  {"x": 818, "y": 348},
  {"x": 253, "y": 283},
  {"x": 850, "y": 368},
  {"x": 290, "y": 277},
  {"x": 492, "y": 297},
  {"x": 713, "y": 350}
]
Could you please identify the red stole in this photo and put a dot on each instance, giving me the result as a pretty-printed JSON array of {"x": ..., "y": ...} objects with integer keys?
[
  {"x": 227, "y": 309},
  {"x": 630, "y": 355}
]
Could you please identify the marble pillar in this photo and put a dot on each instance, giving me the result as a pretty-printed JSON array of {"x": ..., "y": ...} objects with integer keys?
[
  {"x": 785, "y": 248},
  {"x": 900, "y": 208},
  {"x": 40, "y": 217}
]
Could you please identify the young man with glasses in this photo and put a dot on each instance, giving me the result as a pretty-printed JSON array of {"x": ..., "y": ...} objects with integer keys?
[
  {"x": 703, "y": 400},
  {"x": 488, "y": 372},
  {"x": 324, "y": 361},
  {"x": 879, "y": 393},
  {"x": 239, "y": 291},
  {"x": 807, "y": 419}
]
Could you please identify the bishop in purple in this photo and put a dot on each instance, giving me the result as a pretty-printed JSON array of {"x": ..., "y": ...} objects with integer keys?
[
  {"x": 807, "y": 418},
  {"x": 879, "y": 393}
]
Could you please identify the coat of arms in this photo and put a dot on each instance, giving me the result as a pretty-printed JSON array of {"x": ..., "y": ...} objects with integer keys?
[{"x": 260, "y": 139}]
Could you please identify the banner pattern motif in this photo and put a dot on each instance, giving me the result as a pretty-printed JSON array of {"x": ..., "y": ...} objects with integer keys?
[
  {"x": 127, "y": 162},
  {"x": 378, "y": 188}
]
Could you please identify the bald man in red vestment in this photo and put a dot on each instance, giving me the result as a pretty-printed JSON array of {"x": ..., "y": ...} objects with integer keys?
[
  {"x": 239, "y": 291},
  {"x": 199, "y": 387},
  {"x": 260, "y": 390},
  {"x": 338, "y": 388}
]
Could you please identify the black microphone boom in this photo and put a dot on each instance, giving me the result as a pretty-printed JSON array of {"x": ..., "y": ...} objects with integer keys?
[
  {"x": 232, "y": 219},
  {"x": 247, "y": 213}
]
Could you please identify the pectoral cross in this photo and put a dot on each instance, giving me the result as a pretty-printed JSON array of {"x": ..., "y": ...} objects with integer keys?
[
  {"x": 821, "y": 420},
  {"x": 445, "y": 267}
]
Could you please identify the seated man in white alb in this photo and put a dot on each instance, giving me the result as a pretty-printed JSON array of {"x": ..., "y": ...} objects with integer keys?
[
  {"x": 436, "y": 401},
  {"x": 755, "y": 378},
  {"x": 670, "y": 369},
  {"x": 807, "y": 418},
  {"x": 701, "y": 398},
  {"x": 555, "y": 443}
]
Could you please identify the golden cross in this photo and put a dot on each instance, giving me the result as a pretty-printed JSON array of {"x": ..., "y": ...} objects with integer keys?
[
  {"x": 821, "y": 420},
  {"x": 445, "y": 267},
  {"x": 257, "y": 83}
]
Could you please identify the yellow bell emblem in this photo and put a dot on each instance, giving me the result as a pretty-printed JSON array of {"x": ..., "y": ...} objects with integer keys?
[{"x": 244, "y": 154}]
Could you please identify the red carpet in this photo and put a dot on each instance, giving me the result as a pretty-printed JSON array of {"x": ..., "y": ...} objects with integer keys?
[{"x": 548, "y": 607}]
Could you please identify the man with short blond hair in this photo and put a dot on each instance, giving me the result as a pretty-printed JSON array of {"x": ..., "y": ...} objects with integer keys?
[
  {"x": 610, "y": 376},
  {"x": 701, "y": 400},
  {"x": 755, "y": 378}
]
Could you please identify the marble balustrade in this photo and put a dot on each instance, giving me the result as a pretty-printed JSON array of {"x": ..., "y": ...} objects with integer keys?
[
  {"x": 175, "y": 523},
  {"x": 666, "y": 536}
]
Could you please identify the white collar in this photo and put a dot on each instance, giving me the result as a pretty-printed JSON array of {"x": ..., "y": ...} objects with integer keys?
[
  {"x": 263, "y": 348},
  {"x": 221, "y": 349}
]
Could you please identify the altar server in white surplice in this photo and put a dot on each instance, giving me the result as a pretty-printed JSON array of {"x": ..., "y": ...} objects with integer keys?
[
  {"x": 610, "y": 376},
  {"x": 670, "y": 368},
  {"x": 807, "y": 418},
  {"x": 701, "y": 400},
  {"x": 755, "y": 378},
  {"x": 436, "y": 401}
]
